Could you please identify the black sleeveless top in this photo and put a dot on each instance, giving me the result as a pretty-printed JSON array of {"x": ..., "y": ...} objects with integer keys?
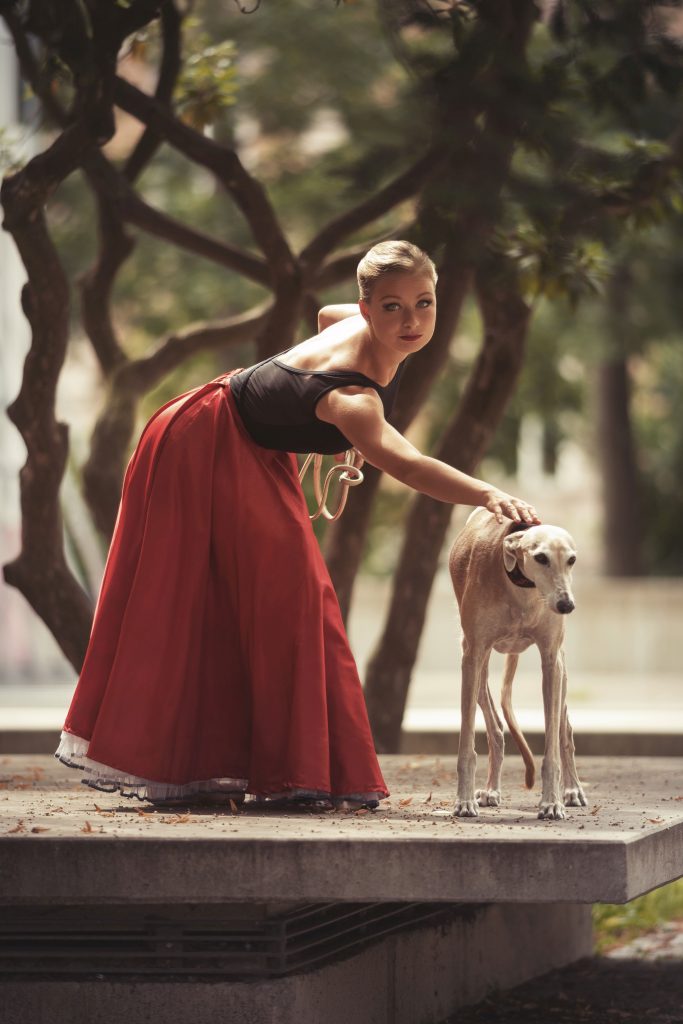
[{"x": 277, "y": 404}]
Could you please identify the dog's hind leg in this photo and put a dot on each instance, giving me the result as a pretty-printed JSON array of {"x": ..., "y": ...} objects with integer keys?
[
  {"x": 474, "y": 660},
  {"x": 511, "y": 661},
  {"x": 574, "y": 795},
  {"x": 495, "y": 740}
]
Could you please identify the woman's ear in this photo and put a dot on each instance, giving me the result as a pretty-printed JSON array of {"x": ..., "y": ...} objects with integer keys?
[{"x": 364, "y": 310}]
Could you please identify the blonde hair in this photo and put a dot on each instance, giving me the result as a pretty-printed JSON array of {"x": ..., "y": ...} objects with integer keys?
[{"x": 389, "y": 258}]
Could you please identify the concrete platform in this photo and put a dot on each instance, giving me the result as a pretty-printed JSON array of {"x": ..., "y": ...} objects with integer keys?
[
  {"x": 111, "y": 910},
  {"x": 63, "y": 843}
]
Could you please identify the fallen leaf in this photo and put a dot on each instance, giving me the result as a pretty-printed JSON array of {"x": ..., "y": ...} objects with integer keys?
[
  {"x": 87, "y": 827},
  {"x": 405, "y": 802},
  {"x": 655, "y": 821},
  {"x": 40, "y": 828},
  {"x": 19, "y": 827},
  {"x": 596, "y": 809},
  {"x": 428, "y": 800}
]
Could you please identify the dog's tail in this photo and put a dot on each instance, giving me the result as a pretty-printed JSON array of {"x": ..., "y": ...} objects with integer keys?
[{"x": 506, "y": 703}]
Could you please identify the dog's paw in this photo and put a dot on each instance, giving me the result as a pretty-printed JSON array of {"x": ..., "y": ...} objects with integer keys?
[
  {"x": 574, "y": 797},
  {"x": 466, "y": 809},
  {"x": 551, "y": 810},
  {"x": 488, "y": 797}
]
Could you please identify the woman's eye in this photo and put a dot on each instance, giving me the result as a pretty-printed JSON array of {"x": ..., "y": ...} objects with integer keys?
[
  {"x": 423, "y": 303},
  {"x": 390, "y": 307}
]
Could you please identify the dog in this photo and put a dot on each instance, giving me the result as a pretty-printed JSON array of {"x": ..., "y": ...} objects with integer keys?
[{"x": 512, "y": 582}]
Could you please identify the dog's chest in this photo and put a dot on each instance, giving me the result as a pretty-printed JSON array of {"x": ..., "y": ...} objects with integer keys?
[
  {"x": 513, "y": 644},
  {"x": 516, "y": 628}
]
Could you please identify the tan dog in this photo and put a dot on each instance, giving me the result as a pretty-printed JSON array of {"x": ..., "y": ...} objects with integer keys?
[{"x": 513, "y": 585}]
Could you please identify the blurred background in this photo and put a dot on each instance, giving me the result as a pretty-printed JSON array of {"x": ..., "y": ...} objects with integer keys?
[{"x": 536, "y": 153}]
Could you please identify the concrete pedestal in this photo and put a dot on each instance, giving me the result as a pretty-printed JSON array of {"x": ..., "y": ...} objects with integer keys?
[
  {"x": 417, "y": 976},
  {"x": 511, "y": 896}
]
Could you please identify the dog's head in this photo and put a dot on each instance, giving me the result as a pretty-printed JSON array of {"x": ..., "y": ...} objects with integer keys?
[{"x": 546, "y": 555}]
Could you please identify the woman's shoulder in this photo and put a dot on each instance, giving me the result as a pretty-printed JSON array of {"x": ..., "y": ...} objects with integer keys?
[{"x": 332, "y": 349}]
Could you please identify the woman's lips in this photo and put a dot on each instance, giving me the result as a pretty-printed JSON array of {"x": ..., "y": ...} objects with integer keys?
[{"x": 410, "y": 337}]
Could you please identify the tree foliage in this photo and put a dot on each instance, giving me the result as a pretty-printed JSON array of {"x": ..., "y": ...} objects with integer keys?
[{"x": 530, "y": 148}]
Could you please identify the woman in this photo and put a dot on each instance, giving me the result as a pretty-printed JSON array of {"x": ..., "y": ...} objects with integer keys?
[{"x": 218, "y": 664}]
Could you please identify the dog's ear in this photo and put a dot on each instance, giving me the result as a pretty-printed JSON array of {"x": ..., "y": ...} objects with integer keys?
[{"x": 510, "y": 548}]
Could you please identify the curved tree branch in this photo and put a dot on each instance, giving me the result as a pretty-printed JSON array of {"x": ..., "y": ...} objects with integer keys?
[
  {"x": 402, "y": 187},
  {"x": 224, "y": 163},
  {"x": 169, "y": 69},
  {"x": 103, "y": 471},
  {"x": 96, "y": 283},
  {"x": 131, "y": 208}
]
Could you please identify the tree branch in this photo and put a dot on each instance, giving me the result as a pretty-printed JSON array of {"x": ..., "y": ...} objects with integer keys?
[
  {"x": 402, "y": 187},
  {"x": 135, "y": 210},
  {"x": 103, "y": 471},
  {"x": 96, "y": 284},
  {"x": 169, "y": 69},
  {"x": 249, "y": 195},
  {"x": 343, "y": 265}
]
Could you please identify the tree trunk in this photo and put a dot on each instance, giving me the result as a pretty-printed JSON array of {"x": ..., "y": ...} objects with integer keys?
[
  {"x": 463, "y": 444},
  {"x": 40, "y": 571},
  {"x": 476, "y": 168},
  {"x": 346, "y": 537},
  {"x": 622, "y": 523}
]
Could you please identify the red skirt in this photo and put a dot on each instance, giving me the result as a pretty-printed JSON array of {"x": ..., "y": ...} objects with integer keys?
[{"x": 218, "y": 661}]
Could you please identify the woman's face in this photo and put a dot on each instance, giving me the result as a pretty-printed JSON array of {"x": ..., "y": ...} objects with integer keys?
[{"x": 401, "y": 311}]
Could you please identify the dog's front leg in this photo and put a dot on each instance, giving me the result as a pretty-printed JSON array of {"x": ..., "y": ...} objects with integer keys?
[
  {"x": 551, "y": 805},
  {"x": 574, "y": 795},
  {"x": 473, "y": 661}
]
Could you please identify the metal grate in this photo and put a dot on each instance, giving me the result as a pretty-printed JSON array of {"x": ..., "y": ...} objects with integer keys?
[{"x": 232, "y": 942}]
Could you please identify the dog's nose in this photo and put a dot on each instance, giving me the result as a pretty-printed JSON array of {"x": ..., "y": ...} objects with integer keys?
[{"x": 565, "y": 605}]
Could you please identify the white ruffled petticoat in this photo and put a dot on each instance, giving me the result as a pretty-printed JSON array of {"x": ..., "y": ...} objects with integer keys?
[{"x": 73, "y": 751}]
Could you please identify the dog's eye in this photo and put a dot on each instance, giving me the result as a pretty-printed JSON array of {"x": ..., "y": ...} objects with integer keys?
[
  {"x": 542, "y": 559},
  {"x": 571, "y": 559}
]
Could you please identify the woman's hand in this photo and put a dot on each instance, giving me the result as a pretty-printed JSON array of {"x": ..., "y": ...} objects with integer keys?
[{"x": 503, "y": 505}]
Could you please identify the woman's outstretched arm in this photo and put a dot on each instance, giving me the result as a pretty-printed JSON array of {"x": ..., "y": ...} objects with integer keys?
[{"x": 359, "y": 414}]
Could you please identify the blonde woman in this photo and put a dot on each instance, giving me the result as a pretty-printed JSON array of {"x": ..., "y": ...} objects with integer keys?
[{"x": 218, "y": 664}]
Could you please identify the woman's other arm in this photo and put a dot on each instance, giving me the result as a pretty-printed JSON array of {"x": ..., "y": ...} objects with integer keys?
[{"x": 329, "y": 315}]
